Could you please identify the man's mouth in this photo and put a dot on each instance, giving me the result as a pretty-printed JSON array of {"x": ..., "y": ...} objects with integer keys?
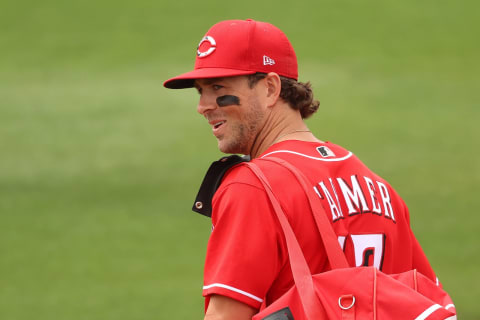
[{"x": 218, "y": 124}]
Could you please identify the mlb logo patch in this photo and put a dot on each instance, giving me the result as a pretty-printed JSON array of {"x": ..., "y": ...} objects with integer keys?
[{"x": 325, "y": 152}]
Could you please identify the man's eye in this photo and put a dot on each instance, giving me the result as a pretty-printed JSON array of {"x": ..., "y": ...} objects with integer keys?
[{"x": 217, "y": 87}]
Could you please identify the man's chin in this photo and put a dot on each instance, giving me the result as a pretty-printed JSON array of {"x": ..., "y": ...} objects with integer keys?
[{"x": 230, "y": 148}]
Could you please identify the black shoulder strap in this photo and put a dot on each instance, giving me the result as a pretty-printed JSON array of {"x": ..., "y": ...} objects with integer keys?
[{"x": 211, "y": 182}]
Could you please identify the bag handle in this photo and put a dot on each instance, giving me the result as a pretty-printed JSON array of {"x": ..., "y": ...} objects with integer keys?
[
  {"x": 300, "y": 270},
  {"x": 335, "y": 254}
]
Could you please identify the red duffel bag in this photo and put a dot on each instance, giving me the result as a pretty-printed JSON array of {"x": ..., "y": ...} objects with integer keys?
[{"x": 344, "y": 292}]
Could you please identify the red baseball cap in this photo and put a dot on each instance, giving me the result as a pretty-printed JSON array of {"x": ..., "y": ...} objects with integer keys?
[{"x": 240, "y": 47}]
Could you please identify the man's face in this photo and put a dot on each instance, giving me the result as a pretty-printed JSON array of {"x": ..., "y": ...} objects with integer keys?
[{"x": 235, "y": 126}]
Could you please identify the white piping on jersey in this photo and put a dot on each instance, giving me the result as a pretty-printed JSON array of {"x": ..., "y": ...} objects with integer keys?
[
  {"x": 233, "y": 289},
  {"x": 428, "y": 312},
  {"x": 310, "y": 157},
  {"x": 451, "y": 305}
]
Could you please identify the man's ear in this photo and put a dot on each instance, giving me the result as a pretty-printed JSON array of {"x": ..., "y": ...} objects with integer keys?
[{"x": 274, "y": 86}]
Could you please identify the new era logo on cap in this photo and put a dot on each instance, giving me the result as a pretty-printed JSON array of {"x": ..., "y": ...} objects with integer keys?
[{"x": 267, "y": 61}]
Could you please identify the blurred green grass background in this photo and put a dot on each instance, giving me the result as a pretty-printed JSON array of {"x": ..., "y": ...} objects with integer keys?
[{"x": 99, "y": 163}]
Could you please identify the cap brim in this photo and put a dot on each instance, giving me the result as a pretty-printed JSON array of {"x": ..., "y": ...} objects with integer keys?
[{"x": 186, "y": 80}]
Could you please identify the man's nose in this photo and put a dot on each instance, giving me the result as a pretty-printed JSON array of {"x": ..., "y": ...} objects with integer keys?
[{"x": 206, "y": 103}]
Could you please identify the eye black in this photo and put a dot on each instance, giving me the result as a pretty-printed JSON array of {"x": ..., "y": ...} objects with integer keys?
[{"x": 228, "y": 100}]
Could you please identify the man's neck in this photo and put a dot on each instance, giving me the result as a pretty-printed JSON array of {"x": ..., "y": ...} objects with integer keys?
[{"x": 282, "y": 124}]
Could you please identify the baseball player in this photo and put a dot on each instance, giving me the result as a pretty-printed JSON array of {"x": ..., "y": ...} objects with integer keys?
[{"x": 246, "y": 76}]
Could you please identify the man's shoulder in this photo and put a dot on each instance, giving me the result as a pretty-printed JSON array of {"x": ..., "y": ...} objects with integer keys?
[
  {"x": 239, "y": 174},
  {"x": 241, "y": 178},
  {"x": 300, "y": 154},
  {"x": 300, "y": 151}
]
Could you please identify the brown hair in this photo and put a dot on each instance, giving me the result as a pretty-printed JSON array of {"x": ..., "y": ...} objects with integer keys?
[{"x": 298, "y": 95}]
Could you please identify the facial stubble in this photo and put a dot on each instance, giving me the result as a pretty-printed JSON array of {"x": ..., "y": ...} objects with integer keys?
[{"x": 243, "y": 131}]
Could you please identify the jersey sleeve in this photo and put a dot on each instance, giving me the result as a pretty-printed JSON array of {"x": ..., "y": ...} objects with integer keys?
[{"x": 244, "y": 252}]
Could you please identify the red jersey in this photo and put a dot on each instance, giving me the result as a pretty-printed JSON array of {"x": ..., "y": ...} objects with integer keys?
[{"x": 247, "y": 258}]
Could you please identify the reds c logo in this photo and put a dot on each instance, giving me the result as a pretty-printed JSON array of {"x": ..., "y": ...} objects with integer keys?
[{"x": 211, "y": 47}]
